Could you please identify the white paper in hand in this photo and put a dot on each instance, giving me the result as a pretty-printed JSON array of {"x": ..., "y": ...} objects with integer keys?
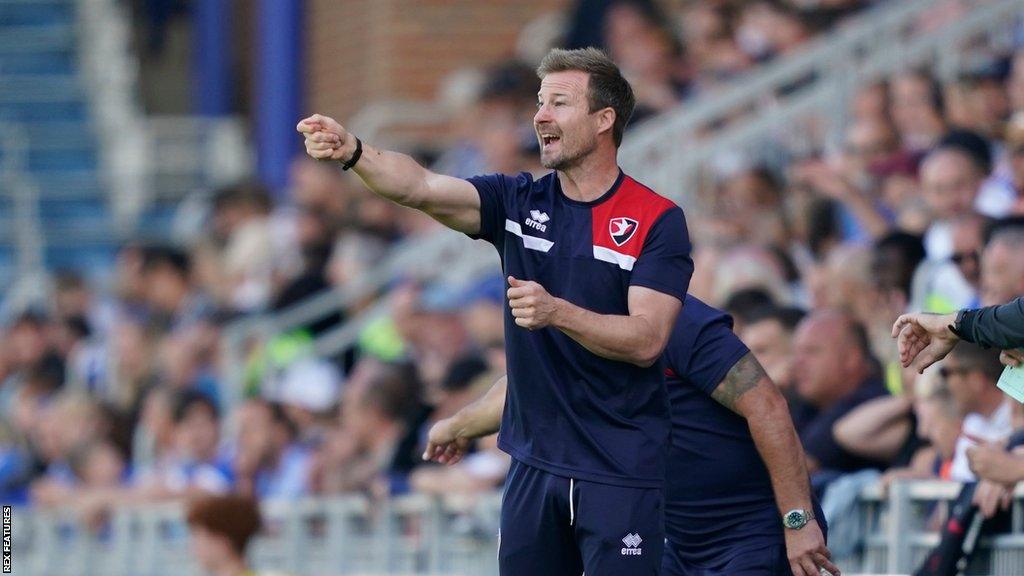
[{"x": 1012, "y": 382}]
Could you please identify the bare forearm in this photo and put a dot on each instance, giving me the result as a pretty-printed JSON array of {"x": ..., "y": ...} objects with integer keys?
[
  {"x": 876, "y": 429},
  {"x": 748, "y": 391},
  {"x": 783, "y": 455},
  {"x": 482, "y": 417},
  {"x": 392, "y": 175},
  {"x": 631, "y": 339}
]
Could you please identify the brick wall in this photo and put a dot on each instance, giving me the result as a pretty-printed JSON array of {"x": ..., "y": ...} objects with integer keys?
[{"x": 361, "y": 50}]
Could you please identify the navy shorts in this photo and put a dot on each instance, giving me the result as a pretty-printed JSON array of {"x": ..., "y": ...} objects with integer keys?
[
  {"x": 557, "y": 526},
  {"x": 770, "y": 560}
]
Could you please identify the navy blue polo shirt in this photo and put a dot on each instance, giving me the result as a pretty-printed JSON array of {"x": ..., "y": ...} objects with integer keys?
[
  {"x": 569, "y": 411},
  {"x": 719, "y": 495}
]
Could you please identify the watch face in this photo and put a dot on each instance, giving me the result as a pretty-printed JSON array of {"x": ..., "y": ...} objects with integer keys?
[{"x": 795, "y": 519}]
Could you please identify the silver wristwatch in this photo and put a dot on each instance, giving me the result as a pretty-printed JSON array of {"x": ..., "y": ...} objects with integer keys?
[{"x": 797, "y": 519}]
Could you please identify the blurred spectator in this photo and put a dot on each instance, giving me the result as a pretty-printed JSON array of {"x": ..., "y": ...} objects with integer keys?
[
  {"x": 835, "y": 373},
  {"x": 1002, "y": 191},
  {"x": 917, "y": 108},
  {"x": 377, "y": 445},
  {"x": 950, "y": 179},
  {"x": 485, "y": 467},
  {"x": 71, "y": 421},
  {"x": 194, "y": 464},
  {"x": 173, "y": 303},
  {"x": 768, "y": 333},
  {"x": 308, "y": 391},
  {"x": 745, "y": 304},
  {"x": 971, "y": 373},
  {"x": 237, "y": 266},
  {"x": 269, "y": 462},
  {"x": 648, "y": 54},
  {"x": 1002, "y": 266},
  {"x": 483, "y": 314},
  {"x": 938, "y": 425}
]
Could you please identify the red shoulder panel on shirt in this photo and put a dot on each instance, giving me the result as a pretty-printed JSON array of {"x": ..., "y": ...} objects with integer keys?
[{"x": 622, "y": 222}]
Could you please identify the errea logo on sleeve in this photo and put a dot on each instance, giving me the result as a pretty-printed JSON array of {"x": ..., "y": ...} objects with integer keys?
[
  {"x": 537, "y": 220},
  {"x": 632, "y": 542}
]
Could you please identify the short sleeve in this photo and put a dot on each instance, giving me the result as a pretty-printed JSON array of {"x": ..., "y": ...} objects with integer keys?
[
  {"x": 497, "y": 194},
  {"x": 665, "y": 264},
  {"x": 716, "y": 350}
]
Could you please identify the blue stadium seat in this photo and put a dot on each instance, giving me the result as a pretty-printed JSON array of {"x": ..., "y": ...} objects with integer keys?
[
  {"x": 40, "y": 89},
  {"x": 21, "y": 12}
]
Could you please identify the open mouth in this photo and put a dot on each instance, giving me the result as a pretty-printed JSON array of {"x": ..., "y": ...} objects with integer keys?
[{"x": 548, "y": 139}]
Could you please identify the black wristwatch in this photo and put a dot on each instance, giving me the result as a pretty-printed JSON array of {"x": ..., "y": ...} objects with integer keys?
[
  {"x": 797, "y": 519},
  {"x": 957, "y": 324},
  {"x": 355, "y": 155}
]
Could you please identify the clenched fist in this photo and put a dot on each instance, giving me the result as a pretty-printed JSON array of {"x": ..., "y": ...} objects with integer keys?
[
  {"x": 326, "y": 139},
  {"x": 532, "y": 306}
]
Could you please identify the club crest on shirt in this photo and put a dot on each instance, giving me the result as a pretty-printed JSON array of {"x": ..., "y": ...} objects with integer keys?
[{"x": 622, "y": 229}]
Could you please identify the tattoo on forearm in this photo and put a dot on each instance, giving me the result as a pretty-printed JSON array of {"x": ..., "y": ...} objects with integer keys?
[{"x": 742, "y": 378}]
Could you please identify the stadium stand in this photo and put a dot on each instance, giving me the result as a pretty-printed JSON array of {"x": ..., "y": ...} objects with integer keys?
[{"x": 196, "y": 332}]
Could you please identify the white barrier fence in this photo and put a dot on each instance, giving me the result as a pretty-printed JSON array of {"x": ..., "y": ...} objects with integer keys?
[{"x": 421, "y": 535}]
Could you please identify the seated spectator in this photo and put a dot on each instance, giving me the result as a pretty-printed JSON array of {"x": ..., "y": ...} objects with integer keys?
[
  {"x": 1002, "y": 266},
  {"x": 938, "y": 425},
  {"x": 70, "y": 421},
  {"x": 269, "y": 462},
  {"x": 835, "y": 373},
  {"x": 768, "y": 333},
  {"x": 971, "y": 373},
  {"x": 172, "y": 301},
  {"x": 376, "y": 446},
  {"x": 194, "y": 464},
  {"x": 483, "y": 315},
  {"x": 917, "y": 107},
  {"x": 1004, "y": 190},
  {"x": 486, "y": 466},
  {"x": 308, "y": 392}
]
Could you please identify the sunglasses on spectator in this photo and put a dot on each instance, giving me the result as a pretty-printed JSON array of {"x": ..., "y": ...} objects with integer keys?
[
  {"x": 959, "y": 258},
  {"x": 1017, "y": 150}
]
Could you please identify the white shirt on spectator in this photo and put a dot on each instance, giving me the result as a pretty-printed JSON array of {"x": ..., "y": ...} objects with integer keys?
[
  {"x": 997, "y": 196},
  {"x": 992, "y": 428}
]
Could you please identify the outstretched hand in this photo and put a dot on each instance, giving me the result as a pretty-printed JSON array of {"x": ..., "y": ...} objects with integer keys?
[{"x": 924, "y": 339}]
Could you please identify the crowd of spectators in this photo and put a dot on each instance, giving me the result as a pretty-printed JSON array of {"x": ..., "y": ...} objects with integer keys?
[{"x": 116, "y": 393}]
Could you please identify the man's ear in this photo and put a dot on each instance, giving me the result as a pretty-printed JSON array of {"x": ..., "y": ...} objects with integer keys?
[{"x": 605, "y": 120}]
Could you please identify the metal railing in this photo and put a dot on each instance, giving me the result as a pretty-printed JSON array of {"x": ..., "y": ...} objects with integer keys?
[{"x": 418, "y": 534}]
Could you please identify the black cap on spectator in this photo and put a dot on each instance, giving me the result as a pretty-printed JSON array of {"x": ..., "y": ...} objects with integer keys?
[
  {"x": 787, "y": 316},
  {"x": 743, "y": 303},
  {"x": 463, "y": 372},
  {"x": 156, "y": 256}
]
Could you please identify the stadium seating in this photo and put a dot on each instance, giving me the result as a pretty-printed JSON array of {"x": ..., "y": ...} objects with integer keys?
[{"x": 43, "y": 100}]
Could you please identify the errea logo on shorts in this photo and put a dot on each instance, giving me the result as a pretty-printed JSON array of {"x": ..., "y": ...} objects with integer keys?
[
  {"x": 537, "y": 220},
  {"x": 632, "y": 542}
]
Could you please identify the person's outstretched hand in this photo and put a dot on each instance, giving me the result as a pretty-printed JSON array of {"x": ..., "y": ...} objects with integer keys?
[{"x": 924, "y": 338}]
